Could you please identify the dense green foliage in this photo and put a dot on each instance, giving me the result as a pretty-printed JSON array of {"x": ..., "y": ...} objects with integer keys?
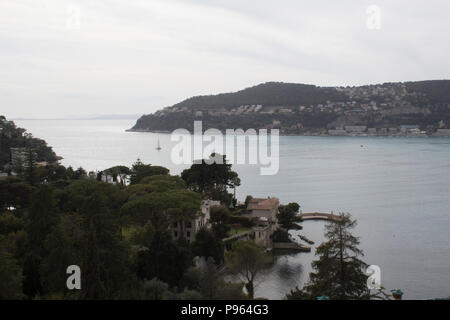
[
  {"x": 120, "y": 235},
  {"x": 287, "y": 216},
  {"x": 268, "y": 94},
  {"x": 436, "y": 91},
  {"x": 281, "y": 235},
  {"x": 212, "y": 177},
  {"x": 247, "y": 259},
  {"x": 220, "y": 221},
  {"x": 208, "y": 245},
  {"x": 10, "y": 273},
  {"x": 206, "y": 279},
  {"x": 120, "y": 238},
  {"x": 140, "y": 171},
  {"x": 14, "y": 137}
]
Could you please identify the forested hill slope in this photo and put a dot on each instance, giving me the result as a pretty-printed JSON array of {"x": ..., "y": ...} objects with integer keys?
[
  {"x": 12, "y": 137},
  {"x": 267, "y": 94},
  {"x": 300, "y": 108}
]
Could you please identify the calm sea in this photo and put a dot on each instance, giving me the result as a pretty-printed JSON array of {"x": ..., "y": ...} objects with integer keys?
[{"x": 397, "y": 188}]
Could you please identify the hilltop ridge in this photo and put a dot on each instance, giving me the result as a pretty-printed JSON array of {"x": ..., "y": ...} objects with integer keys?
[{"x": 308, "y": 109}]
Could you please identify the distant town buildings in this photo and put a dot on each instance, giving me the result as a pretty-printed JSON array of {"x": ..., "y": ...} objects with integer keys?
[
  {"x": 443, "y": 132},
  {"x": 403, "y": 130},
  {"x": 357, "y": 129},
  {"x": 337, "y": 132},
  {"x": 17, "y": 157},
  {"x": 119, "y": 179},
  {"x": 366, "y": 110},
  {"x": 21, "y": 157},
  {"x": 409, "y": 127}
]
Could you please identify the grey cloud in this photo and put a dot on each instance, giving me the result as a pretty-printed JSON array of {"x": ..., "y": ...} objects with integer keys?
[{"x": 142, "y": 55}]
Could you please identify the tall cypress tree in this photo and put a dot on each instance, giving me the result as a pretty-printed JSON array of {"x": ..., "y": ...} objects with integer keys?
[
  {"x": 10, "y": 274},
  {"x": 339, "y": 271},
  {"x": 42, "y": 218},
  {"x": 93, "y": 275},
  {"x": 105, "y": 269}
]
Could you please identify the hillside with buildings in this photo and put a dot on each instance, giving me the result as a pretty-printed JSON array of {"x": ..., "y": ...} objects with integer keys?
[
  {"x": 17, "y": 145},
  {"x": 409, "y": 108}
]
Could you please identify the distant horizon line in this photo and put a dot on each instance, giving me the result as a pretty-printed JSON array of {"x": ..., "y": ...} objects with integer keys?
[
  {"x": 97, "y": 117},
  {"x": 138, "y": 115}
]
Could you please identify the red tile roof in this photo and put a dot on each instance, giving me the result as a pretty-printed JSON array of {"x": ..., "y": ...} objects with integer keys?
[{"x": 263, "y": 203}]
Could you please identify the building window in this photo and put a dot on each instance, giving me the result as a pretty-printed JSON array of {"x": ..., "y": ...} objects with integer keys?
[
  {"x": 175, "y": 224},
  {"x": 175, "y": 233},
  {"x": 188, "y": 234},
  {"x": 188, "y": 224}
]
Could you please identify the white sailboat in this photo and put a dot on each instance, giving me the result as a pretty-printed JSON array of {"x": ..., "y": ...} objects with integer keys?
[{"x": 159, "y": 146}]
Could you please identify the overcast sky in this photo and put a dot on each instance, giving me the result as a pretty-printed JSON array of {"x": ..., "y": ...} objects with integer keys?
[{"x": 64, "y": 58}]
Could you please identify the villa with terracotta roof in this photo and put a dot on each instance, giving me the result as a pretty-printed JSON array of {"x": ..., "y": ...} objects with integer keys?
[
  {"x": 263, "y": 211},
  {"x": 263, "y": 208}
]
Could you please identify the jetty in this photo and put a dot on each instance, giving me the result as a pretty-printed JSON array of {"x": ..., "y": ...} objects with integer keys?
[
  {"x": 319, "y": 216},
  {"x": 294, "y": 246},
  {"x": 305, "y": 239},
  {"x": 250, "y": 235}
]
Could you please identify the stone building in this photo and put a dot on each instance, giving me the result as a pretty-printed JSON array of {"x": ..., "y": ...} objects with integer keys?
[
  {"x": 263, "y": 212},
  {"x": 188, "y": 229}
]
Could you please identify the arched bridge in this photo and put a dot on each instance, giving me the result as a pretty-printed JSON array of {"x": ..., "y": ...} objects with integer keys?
[{"x": 319, "y": 216}]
